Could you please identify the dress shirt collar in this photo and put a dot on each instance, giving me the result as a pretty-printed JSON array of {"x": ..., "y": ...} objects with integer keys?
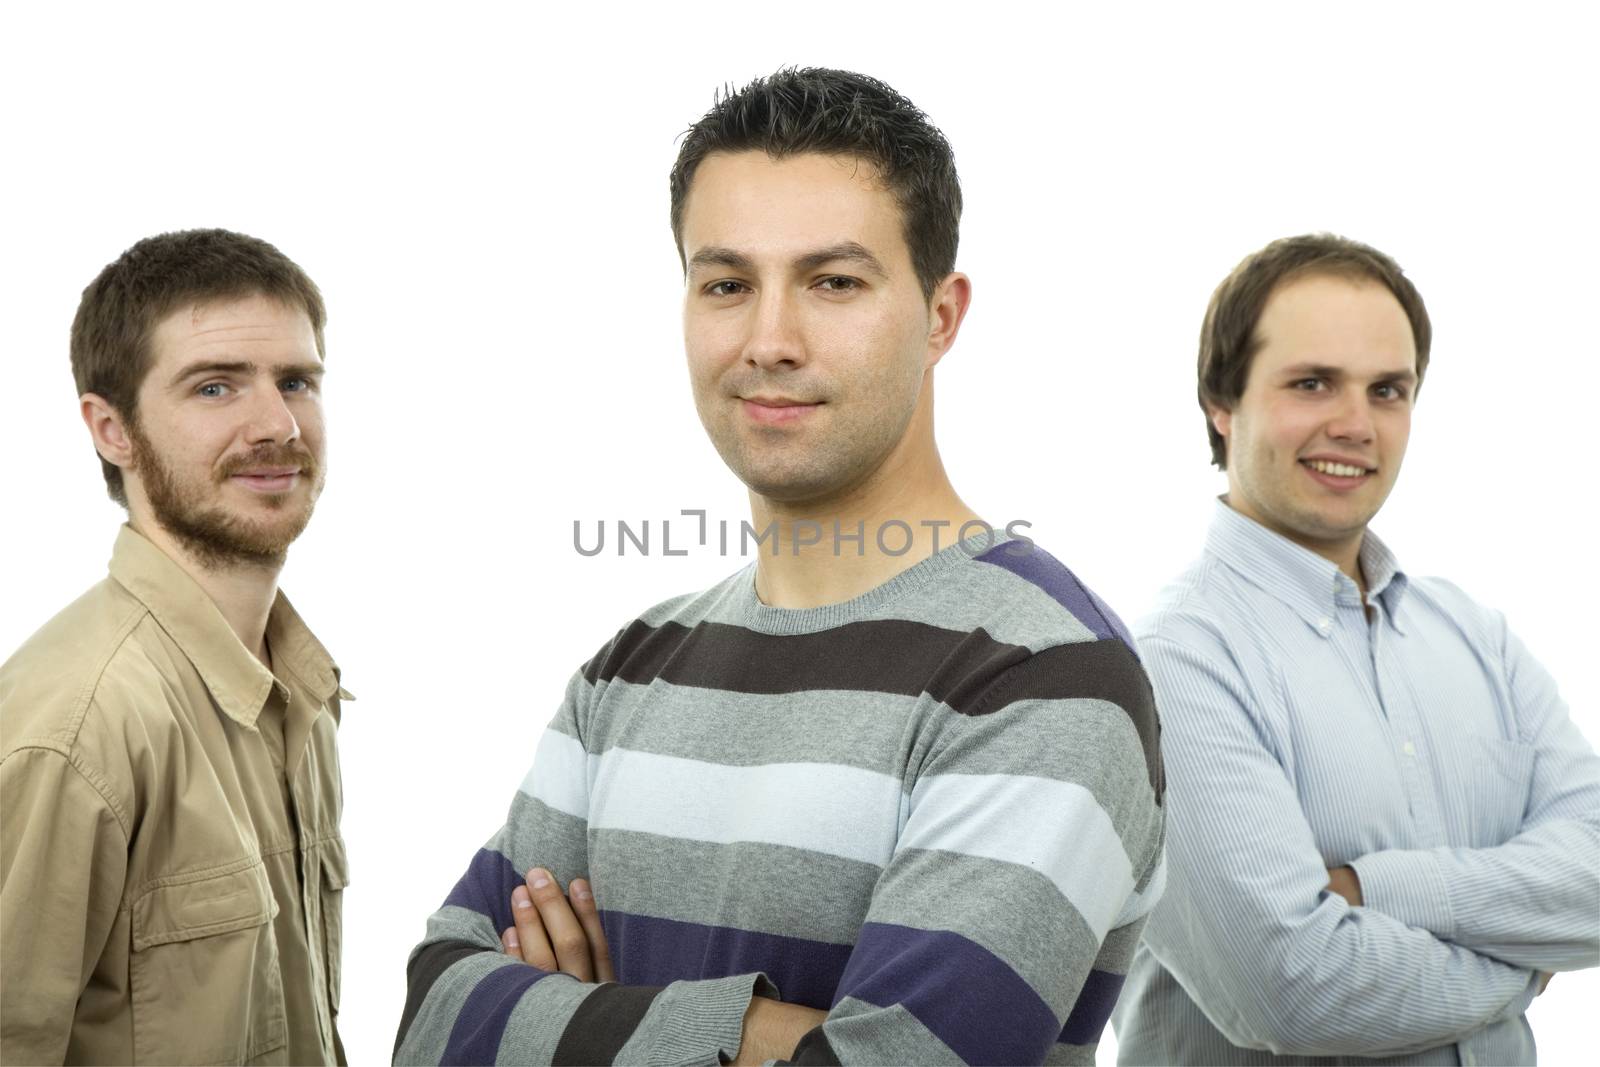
[
  {"x": 1311, "y": 585},
  {"x": 237, "y": 681}
]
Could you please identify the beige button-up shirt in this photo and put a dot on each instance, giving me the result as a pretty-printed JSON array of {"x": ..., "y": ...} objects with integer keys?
[{"x": 171, "y": 870}]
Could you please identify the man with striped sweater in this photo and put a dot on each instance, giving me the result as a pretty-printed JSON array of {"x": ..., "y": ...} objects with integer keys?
[
  {"x": 873, "y": 798},
  {"x": 1385, "y": 829}
]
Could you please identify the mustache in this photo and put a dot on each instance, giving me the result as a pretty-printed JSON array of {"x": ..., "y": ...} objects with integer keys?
[
  {"x": 269, "y": 456},
  {"x": 805, "y": 392}
]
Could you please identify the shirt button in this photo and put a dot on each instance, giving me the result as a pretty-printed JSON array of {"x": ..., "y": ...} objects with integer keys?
[
  {"x": 1324, "y": 626},
  {"x": 1409, "y": 749}
]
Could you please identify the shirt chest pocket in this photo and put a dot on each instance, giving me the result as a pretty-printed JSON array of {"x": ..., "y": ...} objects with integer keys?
[
  {"x": 1485, "y": 783},
  {"x": 204, "y": 977}
]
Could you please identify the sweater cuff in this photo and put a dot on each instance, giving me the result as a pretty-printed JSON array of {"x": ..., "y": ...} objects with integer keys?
[
  {"x": 704, "y": 1022},
  {"x": 1407, "y": 884}
]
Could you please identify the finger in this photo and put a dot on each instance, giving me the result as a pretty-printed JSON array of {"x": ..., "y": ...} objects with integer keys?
[
  {"x": 530, "y": 931},
  {"x": 567, "y": 938},
  {"x": 589, "y": 918},
  {"x": 510, "y": 942}
]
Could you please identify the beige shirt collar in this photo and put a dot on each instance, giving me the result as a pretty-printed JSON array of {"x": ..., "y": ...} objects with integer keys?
[{"x": 237, "y": 681}]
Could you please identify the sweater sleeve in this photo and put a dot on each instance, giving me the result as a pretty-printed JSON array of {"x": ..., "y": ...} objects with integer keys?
[
  {"x": 469, "y": 1002},
  {"x": 1004, "y": 921}
]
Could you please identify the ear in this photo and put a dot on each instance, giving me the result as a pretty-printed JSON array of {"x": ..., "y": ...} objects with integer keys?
[
  {"x": 1222, "y": 421},
  {"x": 946, "y": 309},
  {"x": 107, "y": 430}
]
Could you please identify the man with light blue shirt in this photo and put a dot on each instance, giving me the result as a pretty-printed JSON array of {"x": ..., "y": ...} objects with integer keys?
[{"x": 1383, "y": 829}]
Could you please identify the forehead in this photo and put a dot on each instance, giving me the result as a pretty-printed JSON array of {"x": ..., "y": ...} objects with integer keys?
[
  {"x": 1355, "y": 324},
  {"x": 255, "y": 327},
  {"x": 794, "y": 204}
]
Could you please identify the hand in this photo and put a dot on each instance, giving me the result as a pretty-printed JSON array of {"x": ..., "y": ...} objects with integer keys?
[
  {"x": 1343, "y": 880},
  {"x": 555, "y": 934}
]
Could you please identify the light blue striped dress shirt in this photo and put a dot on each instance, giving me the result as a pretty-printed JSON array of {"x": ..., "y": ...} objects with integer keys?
[{"x": 1426, "y": 748}]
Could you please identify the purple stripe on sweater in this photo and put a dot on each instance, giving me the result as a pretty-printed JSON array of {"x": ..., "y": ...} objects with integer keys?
[
  {"x": 1051, "y": 575},
  {"x": 1096, "y": 1000},
  {"x": 481, "y": 1022},
  {"x": 486, "y": 888},
  {"x": 651, "y": 951},
  {"x": 965, "y": 995}
]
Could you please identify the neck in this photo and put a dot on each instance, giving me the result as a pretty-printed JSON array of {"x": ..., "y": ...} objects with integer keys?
[
  {"x": 243, "y": 592},
  {"x": 904, "y": 513},
  {"x": 1343, "y": 552}
]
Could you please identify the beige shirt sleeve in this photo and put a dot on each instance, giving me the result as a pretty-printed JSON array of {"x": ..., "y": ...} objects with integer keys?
[{"x": 63, "y": 863}]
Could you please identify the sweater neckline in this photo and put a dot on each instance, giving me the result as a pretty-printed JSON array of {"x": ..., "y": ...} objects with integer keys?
[{"x": 774, "y": 620}]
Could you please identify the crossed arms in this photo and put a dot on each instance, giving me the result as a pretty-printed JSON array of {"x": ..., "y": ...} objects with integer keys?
[
  {"x": 1265, "y": 938},
  {"x": 936, "y": 971}
]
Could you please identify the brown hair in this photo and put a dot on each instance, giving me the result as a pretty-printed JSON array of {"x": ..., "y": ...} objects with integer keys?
[
  {"x": 123, "y": 305},
  {"x": 837, "y": 112},
  {"x": 1228, "y": 339}
]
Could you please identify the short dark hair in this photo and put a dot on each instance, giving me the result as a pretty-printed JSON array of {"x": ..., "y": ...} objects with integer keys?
[
  {"x": 1228, "y": 338},
  {"x": 123, "y": 305},
  {"x": 836, "y": 112}
]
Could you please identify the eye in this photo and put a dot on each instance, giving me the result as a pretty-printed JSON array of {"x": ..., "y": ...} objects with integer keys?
[
  {"x": 724, "y": 288},
  {"x": 295, "y": 385},
  {"x": 838, "y": 283},
  {"x": 1308, "y": 385},
  {"x": 212, "y": 390},
  {"x": 1388, "y": 391}
]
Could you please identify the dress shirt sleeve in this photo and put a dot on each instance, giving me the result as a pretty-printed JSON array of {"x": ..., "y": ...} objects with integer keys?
[
  {"x": 1002, "y": 926},
  {"x": 1246, "y": 926},
  {"x": 1533, "y": 900},
  {"x": 469, "y": 1002},
  {"x": 63, "y": 862}
]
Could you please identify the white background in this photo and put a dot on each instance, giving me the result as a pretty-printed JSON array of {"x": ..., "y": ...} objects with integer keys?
[{"x": 481, "y": 193}]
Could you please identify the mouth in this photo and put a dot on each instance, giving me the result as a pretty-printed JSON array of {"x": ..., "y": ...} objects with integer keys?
[
  {"x": 1338, "y": 473},
  {"x": 267, "y": 479},
  {"x": 770, "y": 410}
]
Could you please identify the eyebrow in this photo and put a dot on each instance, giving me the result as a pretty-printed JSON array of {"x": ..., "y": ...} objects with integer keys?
[
  {"x": 247, "y": 369},
  {"x": 845, "y": 251},
  {"x": 1323, "y": 370}
]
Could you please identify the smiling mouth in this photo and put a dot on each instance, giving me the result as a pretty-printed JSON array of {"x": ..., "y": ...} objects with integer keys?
[{"x": 1338, "y": 470}]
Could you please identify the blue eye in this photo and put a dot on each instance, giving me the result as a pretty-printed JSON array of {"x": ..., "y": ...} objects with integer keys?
[
  {"x": 212, "y": 390},
  {"x": 295, "y": 385}
]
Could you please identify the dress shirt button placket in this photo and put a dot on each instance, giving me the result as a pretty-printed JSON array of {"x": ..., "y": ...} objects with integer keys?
[{"x": 1402, "y": 717}]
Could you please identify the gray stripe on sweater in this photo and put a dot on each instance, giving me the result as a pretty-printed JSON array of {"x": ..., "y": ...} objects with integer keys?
[{"x": 804, "y": 893}]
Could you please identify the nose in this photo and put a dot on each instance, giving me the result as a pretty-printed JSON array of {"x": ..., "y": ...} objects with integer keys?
[
  {"x": 1352, "y": 420},
  {"x": 270, "y": 420},
  {"x": 776, "y": 341}
]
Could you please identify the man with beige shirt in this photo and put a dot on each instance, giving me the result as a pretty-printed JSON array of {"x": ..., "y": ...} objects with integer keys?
[{"x": 171, "y": 869}]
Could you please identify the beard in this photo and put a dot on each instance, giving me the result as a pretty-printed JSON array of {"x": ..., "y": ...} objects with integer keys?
[{"x": 216, "y": 537}]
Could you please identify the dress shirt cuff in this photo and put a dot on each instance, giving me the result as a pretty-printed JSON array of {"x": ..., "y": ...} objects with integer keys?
[
  {"x": 705, "y": 1022},
  {"x": 1407, "y": 885}
]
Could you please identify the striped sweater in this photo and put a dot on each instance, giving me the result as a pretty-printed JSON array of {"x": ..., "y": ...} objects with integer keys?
[{"x": 933, "y": 810}]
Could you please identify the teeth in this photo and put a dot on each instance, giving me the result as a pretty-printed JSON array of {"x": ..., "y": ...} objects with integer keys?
[{"x": 1342, "y": 470}]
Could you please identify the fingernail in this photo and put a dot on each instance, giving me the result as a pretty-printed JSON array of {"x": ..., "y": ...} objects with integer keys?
[
  {"x": 581, "y": 890},
  {"x": 541, "y": 878},
  {"x": 519, "y": 897},
  {"x": 512, "y": 941}
]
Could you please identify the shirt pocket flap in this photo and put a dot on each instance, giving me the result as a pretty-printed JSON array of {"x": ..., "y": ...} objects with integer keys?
[
  {"x": 335, "y": 865},
  {"x": 188, "y": 906}
]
